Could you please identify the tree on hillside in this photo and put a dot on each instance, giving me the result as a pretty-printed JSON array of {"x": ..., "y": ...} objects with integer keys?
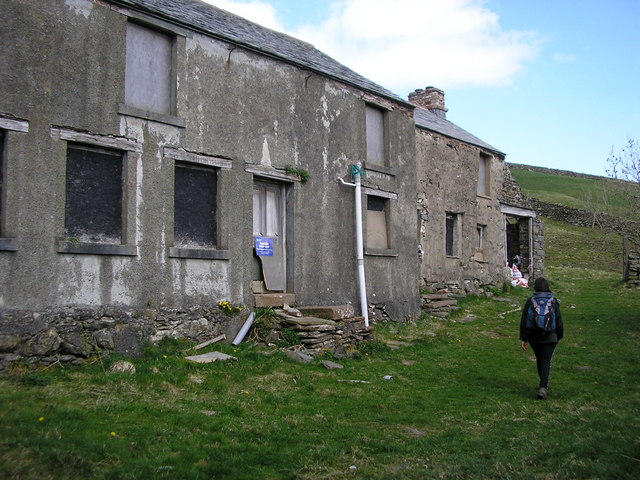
[{"x": 625, "y": 165}]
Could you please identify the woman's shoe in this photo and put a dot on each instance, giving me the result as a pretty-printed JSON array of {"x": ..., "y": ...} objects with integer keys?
[{"x": 542, "y": 393}]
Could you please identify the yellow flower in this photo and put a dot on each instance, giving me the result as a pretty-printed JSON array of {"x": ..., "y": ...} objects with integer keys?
[
  {"x": 113, "y": 434},
  {"x": 41, "y": 419}
]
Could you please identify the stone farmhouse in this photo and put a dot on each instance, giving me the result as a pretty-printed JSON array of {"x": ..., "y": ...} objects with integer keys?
[
  {"x": 470, "y": 225},
  {"x": 160, "y": 156}
]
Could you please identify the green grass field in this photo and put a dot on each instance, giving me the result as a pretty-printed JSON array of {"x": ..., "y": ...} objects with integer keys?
[
  {"x": 460, "y": 405},
  {"x": 601, "y": 195}
]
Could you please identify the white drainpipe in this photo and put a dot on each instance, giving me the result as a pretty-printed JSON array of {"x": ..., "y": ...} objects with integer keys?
[{"x": 357, "y": 174}]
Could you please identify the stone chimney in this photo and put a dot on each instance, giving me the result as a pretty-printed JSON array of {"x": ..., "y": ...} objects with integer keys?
[{"x": 431, "y": 98}]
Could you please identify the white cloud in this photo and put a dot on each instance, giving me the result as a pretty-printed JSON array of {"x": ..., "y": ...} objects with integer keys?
[
  {"x": 408, "y": 44},
  {"x": 257, "y": 11}
]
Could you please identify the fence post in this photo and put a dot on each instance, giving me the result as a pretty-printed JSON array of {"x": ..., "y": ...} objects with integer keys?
[{"x": 625, "y": 258}]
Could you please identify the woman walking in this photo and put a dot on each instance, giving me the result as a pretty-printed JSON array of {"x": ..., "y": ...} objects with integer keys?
[{"x": 541, "y": 327}]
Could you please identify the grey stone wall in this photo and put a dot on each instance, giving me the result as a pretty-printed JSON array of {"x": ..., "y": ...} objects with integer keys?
[
  {"x": 447, "y": 182},
  {"x": 511, "y": 193},
  {"x": 552, "y": 171}
]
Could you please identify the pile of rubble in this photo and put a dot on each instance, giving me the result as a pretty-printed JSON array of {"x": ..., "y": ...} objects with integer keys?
[
  {"x": 323, "y": 328},
  {"x": 439, "y": 304}
]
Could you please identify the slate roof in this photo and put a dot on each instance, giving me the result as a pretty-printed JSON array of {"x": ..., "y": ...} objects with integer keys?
[
  {"x": 430, "y": 121},
  {"x": 213, "y": 21}
]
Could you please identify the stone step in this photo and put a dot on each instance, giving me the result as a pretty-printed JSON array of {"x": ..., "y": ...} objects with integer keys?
[
  {"x": 305, "y": 321},
  {"x": 429, "y": 297},
  {"x": 273, "y": 299},
  {"x": 440, "y": 304},
  {"x": 331, "y": 312}
]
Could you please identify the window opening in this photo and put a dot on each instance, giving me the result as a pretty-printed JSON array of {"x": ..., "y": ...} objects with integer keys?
[
  {"x": 484, "y": 170},
  {"x": 451, "y": 235},
  {"x": 480, "y": 231},
  {"x": 377, "y": 234},
  {"x": 375, "y": 135},
  {"x": 2, "y": 155},
  {"x": 480, "y": 237}
]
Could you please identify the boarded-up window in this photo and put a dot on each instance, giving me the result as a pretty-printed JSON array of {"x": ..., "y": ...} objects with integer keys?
[
  {"x": 194, "y": 206},
  {"x": 2, "y": 135},
  {"x": 484, "y": 175},
  {"x": 148, "y": 77},
  {"x": 377, "y": 235},
  {"x": 93, "y": 204},
  {"x": 375, "y": 135},
  {"x": 451, "y": 234}
]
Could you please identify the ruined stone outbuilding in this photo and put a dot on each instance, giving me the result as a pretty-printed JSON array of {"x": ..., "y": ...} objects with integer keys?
[{"x": 473, "y": 217}]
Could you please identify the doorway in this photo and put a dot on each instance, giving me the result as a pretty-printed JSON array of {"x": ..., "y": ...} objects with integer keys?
[
  {"x": 519, "y": 243},
  {"x": 269, "y": 234}
]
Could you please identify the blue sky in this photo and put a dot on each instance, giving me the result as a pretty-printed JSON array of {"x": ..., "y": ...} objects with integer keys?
[{"x": 553, "y": 83}]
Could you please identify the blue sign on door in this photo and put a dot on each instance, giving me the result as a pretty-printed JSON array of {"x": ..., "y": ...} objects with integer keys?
[{"x": 264, "y": 246}]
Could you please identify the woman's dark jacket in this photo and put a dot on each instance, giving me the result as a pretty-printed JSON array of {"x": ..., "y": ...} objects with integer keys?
[{"x": 532, "y": 336}]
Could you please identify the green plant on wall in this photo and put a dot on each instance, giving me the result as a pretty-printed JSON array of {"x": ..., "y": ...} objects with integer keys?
[{"x": 300, "y": 172}]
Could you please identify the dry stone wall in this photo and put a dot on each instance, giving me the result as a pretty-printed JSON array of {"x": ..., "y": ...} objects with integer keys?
[
  {"x": 71, "y": 335},
  {"x": 585, "y": 218}
]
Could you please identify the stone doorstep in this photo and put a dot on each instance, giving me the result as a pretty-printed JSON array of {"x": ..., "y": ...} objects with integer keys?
[
  {"x": 258, "y": 286},
  {"x": 273, "y": 299}
]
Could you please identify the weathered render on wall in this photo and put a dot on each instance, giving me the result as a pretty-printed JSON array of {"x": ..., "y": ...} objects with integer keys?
[
  {"x": 246, "y": 110},
  {"x": 461, "y": 225}
]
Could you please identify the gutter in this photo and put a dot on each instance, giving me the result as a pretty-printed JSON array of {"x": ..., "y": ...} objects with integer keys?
[{"x": 357, "y": 173}]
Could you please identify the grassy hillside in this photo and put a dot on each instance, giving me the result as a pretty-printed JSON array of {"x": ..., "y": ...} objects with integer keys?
[
  {"x": 582, "y": 247},
  {"x": 598, "y": 194}
]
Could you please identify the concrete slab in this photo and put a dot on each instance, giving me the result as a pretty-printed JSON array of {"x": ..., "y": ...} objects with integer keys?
[
  {"x": 210, "y": 357},
  {"x": 331, "y": 312}
]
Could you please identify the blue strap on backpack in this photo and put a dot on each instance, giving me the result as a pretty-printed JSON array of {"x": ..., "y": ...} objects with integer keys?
[{"x": 541, "y": 316}]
